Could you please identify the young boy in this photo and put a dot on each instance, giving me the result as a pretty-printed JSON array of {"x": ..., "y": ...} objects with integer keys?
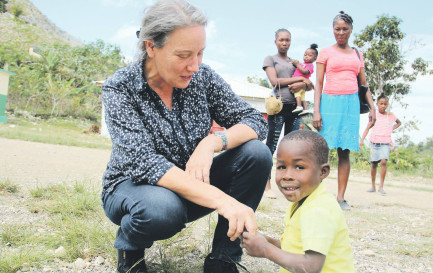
[{"x": 315, "y": 236}]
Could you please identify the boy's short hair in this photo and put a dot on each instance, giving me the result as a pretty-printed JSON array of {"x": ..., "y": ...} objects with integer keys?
[{"x": 319, "y": 146}]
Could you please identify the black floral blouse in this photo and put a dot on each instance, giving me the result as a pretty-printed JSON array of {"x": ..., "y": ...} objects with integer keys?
[{"x": 148, "y": 139}]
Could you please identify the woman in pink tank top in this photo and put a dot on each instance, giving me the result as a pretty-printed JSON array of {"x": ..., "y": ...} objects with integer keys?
[{"x": 336, "y": 110}]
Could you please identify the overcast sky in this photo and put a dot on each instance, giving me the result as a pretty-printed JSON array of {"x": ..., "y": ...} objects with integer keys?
[{"x": 240, "y": 34}]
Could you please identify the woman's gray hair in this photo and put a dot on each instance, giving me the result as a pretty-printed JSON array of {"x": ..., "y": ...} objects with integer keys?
[{"x": 165, "y": 17}]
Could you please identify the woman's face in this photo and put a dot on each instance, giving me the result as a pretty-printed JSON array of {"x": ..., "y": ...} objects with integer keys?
[
  {"x": 181, "y": 56},
  {"x": 283, "y": 42},
  {"x": 342, "y": 31}
]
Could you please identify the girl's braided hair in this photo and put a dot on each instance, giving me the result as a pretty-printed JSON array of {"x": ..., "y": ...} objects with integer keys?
[{"x": 343, "y": 16}]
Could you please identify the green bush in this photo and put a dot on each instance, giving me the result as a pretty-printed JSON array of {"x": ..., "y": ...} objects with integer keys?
[
  {"x": 3, "y": 6},
  {"x": 61, "y": 82},
  {"x": 16, "y": 10},
  {"x": 415, "y": 159}
]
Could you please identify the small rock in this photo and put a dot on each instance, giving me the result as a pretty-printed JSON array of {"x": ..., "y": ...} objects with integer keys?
[
  {"x": 60, "y": 251},
  {"x": 79, "y": 263},
  {"x": 368, "y": 252},
  {"x": 99, "y": 260}
]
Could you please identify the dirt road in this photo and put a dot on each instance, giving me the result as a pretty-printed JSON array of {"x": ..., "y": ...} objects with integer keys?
[{"x": 31, "y": 163}]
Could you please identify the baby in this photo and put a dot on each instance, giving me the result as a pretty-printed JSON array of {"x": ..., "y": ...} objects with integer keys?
[
  {"x": 305, "y": 70},
  {"x": 316, "y": 237}
]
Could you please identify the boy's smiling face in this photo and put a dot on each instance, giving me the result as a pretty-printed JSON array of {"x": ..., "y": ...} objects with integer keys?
[{"x": 298, "y": 171}]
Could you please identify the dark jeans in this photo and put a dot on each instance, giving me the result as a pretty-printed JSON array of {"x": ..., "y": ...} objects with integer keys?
[
  {"x": 275, "y": 122},
  {"x": 148, "y": 213}
]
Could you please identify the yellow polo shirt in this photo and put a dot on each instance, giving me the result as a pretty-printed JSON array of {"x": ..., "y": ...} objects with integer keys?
[{"x": 319, "y": 225}]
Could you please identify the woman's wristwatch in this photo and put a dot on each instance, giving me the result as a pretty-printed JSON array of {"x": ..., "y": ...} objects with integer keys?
[{"x": 223, "y": 136}]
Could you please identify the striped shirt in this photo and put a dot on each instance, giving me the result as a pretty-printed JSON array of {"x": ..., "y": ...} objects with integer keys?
[{"x": 382, "y": 129}]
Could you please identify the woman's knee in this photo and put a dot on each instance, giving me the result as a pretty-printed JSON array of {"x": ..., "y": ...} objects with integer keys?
[
  {"x": 161, "y": 220},
  {"x": 256, "y": 152},
  {"x": 146, "y": 212}
]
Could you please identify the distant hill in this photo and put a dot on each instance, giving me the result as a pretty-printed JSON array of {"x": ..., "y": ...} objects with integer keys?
[{"x": 31, "y": 28}]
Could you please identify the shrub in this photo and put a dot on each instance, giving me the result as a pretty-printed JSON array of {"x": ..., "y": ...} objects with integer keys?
[
  {"x": 16, "y": 10},
  {"x": 60, "y": 83},
  {"x": 3, "y": 6}
]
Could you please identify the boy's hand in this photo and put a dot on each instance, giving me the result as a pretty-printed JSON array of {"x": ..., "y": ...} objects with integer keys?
[
  {"x": 255, "y": 245},
  {"x": 360, "y": 145},
  {"x": 295, "y": 62}
]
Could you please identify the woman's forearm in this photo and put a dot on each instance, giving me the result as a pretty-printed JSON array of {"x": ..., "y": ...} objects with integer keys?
[
  {"x": 239, "y": 134},
  {"x": 317, "y": 96},
  {"x": 203, "y": 194},
  {"x": 195, "y": 190},
  {"x": 320, "y": 75},
  {"x": 273, "y": 78},
  {"x": 288, "y": 81}
]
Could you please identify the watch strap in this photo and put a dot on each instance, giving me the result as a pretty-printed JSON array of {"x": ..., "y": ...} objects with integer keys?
[{"x": 223, "y": 137}]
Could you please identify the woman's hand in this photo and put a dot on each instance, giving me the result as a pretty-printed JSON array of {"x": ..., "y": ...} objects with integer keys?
[
  {"x": 239, "y": 216},
  {"x": 317, "y": 120},
  {"x": 255, "y": 245},
  {"x": 295, "y": 87},
  {"x": 198, "y": 165}
]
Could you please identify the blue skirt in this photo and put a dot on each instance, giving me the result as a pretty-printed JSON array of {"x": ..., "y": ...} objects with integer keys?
[{"x": 340, "y": 118}]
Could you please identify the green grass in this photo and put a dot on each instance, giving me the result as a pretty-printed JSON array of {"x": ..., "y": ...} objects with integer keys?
[
  {"x": 61, "y": 131},
  {"x": 75, "y": 221},
  {"x": 8, "y": 186}
]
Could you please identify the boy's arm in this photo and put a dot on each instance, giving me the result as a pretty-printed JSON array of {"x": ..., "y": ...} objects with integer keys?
[
  {"x": 260, "y": 245},
  {"x": 273, "y": 241},
  {"x": 397, "y": 124},
  {"x": 311, "y": 261}
]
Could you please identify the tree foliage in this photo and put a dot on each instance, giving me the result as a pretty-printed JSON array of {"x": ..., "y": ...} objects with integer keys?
[
  {"x": 3, "y": 6},
  {"x": 17, "y": 10},
  {"x": 259, "y": 81},
  {"x": 61, "y": 81},
  {"x": 385, "y": 64}
]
